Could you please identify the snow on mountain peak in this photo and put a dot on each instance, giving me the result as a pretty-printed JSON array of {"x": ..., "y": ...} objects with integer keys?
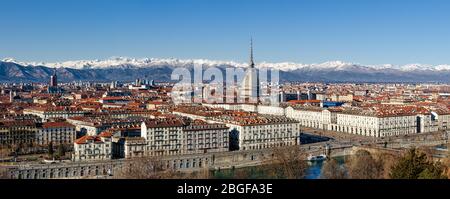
[
  {"x": 9, "y": 59},
  {"x": 173, "y": 62}
]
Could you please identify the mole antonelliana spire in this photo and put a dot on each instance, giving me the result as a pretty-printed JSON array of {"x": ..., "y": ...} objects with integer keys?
[
  {"x": 250, "y": 87},
  {"x": 252, "y": 63}
]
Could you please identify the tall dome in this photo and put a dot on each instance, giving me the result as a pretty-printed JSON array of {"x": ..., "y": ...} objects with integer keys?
[{"x": 250, "y": 92}]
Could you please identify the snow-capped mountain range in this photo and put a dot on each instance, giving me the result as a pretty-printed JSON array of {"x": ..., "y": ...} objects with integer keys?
[
  {"x": 128, "y": 69},
  {"x": 115, "y": 62}
]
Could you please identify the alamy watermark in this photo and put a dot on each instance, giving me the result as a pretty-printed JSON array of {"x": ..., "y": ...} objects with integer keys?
[{"x": 225, "y": 85}]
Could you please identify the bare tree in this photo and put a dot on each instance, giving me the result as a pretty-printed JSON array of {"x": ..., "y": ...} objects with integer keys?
[
  {"x": 202, "y": 174},
  {"x": 332, "y": 170},
  {"x": 4, "y": 173},
  {"x": 387, "y": 160},
  {"x": 3, "y": 152},
  {"x": 363, "y": 166},
  {"x": 288, "y": 162},
  {"x": 428, "y": 151},
  {"x": 144, "y": 168},
  {"x": 244, "y": 173},
  {"x": 446, "y": 163}
]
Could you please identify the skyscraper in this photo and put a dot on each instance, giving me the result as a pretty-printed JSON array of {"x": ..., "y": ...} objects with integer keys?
[
  {"x": 251, "y": 87},
  {"x": 54, "y": 79}
]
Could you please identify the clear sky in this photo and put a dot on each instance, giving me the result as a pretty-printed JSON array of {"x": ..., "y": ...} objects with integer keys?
[{"x": 306, "y": 31}]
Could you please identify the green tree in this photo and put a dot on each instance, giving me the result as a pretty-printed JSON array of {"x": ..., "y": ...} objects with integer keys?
[
  {"x": 415, "y": 165},
  {"x": 433, "y": 171}
]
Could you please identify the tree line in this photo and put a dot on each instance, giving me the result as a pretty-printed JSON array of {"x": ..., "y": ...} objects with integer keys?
[{"x": 413, "y": 164}]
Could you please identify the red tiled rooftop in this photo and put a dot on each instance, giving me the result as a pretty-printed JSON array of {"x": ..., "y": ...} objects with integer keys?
[
  {"x": 105, "y": 134},
  {"x": 57, "y": 125},
  {"x": 86, "y": 138}
]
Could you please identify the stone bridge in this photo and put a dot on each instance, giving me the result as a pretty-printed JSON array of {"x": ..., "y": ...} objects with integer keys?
[{"x": 98, "y": 169}]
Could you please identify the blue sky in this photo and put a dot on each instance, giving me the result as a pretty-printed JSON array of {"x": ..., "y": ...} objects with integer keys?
[{"x": 306, "y": 31}]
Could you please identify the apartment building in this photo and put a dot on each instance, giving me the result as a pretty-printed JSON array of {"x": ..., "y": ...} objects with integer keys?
[
  {"x": 18, "y": 132},
  {"x": 250, "y": 131},
  {"x": 176, "y": 137},
  {"x": 308, "y": 116},
  {"x": 93, "y": 148},
  {"x": 47, "y": 113},
  {"x": 57, "y": 133},
  {"x": 164, "y": 137},
  {"x": 377, "y": 122},
  {"x": 202, "y": 137}
]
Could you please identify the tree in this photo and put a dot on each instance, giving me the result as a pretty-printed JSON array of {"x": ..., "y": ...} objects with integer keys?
[
  {"x": 332, "y": 170},
  {"x": 428, "y": 151},
  {"x": 3, "y": 152},
  {"x": 61, "y": 151},
  {"x": 267, "y": 171},
  {"x": 415, "y": 165},
  {"x": 434, "y": 171},
  {"x": 363, "y": 166},
  {"x": 202, "y": 174},
  {"x": 50, "y": 150},
  {"x": 31, "y": 147},
  {"x": 387, "y": 160},
  {"x": 446, "y": 164},
  {"x": 21, "y": 148},
  {"x": 15, "y": 149},
  {"x": 4, "y": 173},
  {"x": 145, "y": 168},
  {"x": 287, "y": 162}
]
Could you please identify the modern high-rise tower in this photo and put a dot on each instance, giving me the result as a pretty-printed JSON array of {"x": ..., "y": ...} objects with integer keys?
[{"x": 54, "y": 79}]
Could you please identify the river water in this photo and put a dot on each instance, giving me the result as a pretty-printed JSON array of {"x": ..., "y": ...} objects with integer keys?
[{"x": 313, "y": 171}]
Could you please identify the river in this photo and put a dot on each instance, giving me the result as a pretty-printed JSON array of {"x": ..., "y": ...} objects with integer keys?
[
  {"x": 312, "y": 172},
  {"x": 314, "y": 169}
]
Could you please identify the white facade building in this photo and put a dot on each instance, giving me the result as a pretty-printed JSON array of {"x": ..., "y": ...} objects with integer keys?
[
  {"x": 375, "y": 126},
  {"x": 163, "y": 137},
  {"x": 173, "y": 137},
  {"x": 46, "y": 114},
  {"x": 271, "y": 110},
  {"x": 259, "y": 132},
  {"x": 93, "y": 148},
  {"x": 307, "y": 117},
  {"x": 202, "y": 137},
  {"x": 363, "y": 122}
]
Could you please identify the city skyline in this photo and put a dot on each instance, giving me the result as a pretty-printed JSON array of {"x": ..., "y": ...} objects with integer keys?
[
  {"x": 371, "y": 33},
  {"x": 201, "y": 89}
]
